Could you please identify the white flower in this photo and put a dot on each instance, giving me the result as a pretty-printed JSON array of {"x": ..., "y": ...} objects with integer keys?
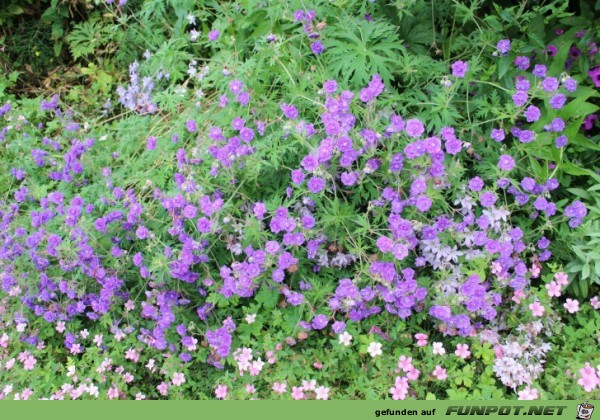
[
  {"x": 250, "y": 318},
  {"x": 374, "y": 349},
  {"x": 438, "y": 348},
  {"x": 194, "y": 34},
  {"x": 191, "y": 19},
  {"x": 345, "y": 338}
]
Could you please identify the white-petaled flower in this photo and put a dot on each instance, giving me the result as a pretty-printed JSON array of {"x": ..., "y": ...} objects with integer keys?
[
  {"x": 345, "y": 338},
  {"x": 438, "y": 348},
  {"x": 374, "y": 349}
]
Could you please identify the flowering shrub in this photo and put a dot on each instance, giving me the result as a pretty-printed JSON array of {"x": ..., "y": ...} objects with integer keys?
[{"x": 272, "y": 223}]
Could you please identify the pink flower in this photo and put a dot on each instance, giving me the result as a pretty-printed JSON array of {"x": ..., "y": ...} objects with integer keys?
[
  {"x": 595, "y": 302},
  {"x": 517, "y": 296},
  {"x": 421, "y": 339},
  {"x": 553, "y": 289},
  {"x": 29, "y": 363},
  {"x": 528, "y": 394},
  {"x": 561, "y": 278},
  {"x": 537, "y": 309},
  {"x": 590, "y": 379},
  {"x": 250, "y": 389},
  {"x": 26, "y": 394},
  {"x": 400, "y": 389},
  {"x": 438, "y": 348},
  {"x": 572, "y": 305},
  {"x": 405, "y": 363},
  {"x": 221, "y": 392},
  {"x": 309, "y": 385},
  {"x": 60, "y": 326},
  {"x": 280, "y": 388},
  {"x": 322, "y": 393},
  {"x": 131, "y": 354},
  {"x": 439, "y": 373},
  {"x": 178, "y": 379},
  {"x": 98, "y": 340},
  {"x": 297, "y": 393},
  {"x": 113, "y": 392},
  {"x": 413, "y": 374},
  {"x": 163, "y": 388},
  {"x": 462, "y": 351}
]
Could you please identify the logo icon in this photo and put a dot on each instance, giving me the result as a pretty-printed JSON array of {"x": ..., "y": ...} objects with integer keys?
[{"x": 584, "y": 411}]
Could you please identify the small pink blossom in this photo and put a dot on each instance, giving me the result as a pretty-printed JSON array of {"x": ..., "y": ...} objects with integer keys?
[
  {"x": 595, "y": 302},
  {"x": 528, "y": 394},
  {"x": 536, "y": 308},
  {"x": 517, "y": 296},
  {"x": 413, "y": 374},
  {"x": 309, "y": 385},
  {"x": 280, "y": 388},
  {"x": 553, "y": 289},
  {"x": 561, "y": 278},
  {"x": 405, "y": 363},
  {"x": 462, "y": 351},
  {"x": 178, "y": 378},
  {"x": 439, "y": 373},
  {"x": 29, "y": 363},
  {"x": 98, "y": 340},
  {"x": 60, "y": 326},
  {"x": 221, "y": 392},
  {"x": 298, "y": 393},
  {"x": 421, "y": 339},
  {"x": 163, "y": 388},
  {"x": 113, "y": 392},
  {"x": 572, "y": 305},
  {"x": 322, "y": 393}
]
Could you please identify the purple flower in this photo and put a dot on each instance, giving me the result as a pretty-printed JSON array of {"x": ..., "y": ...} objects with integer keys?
[
  {"x": 595, "y": 75},
  {"x": 297, "y": 176},
  {"x": 532, "y": 113},
  {"x": 539, "y": 70},
  {"x": 191, "y": 126},
  {"x": 290, "y": 111},
  {"x": 506, "y": 162},
  {"x": 561, "y": 141},
  {"x": 319, "y": 322},
  {"x": 317, "y": 47},
  {"x": 488, "y": 199},
  {"x": 259, "y": 210},
  {"x": 459, "y": 69},
  {"x": 550, "y": 84},
  {"x": 338, "y": 327},
  {"x": 414, "y": 128},
  {"x": 558, "y": 101},
  {"x": 557, "y": 125},
  {"x": 316, "y": 185},
  {"x": 349, "y": 178},
  {"x": 503, "y": 46},
  {"x": 141, "y": 232},
  {"x": 235, "y": 86},
  {"x": 522, "y": 62},
  {"x": 526, "y": 136},
  {"x": 423, "y": 203},
  {"x": 330, "y": 86},
  {"x": 476, "y": 184},
  {"x": 213, "y": 35},
  {"x": 570, "y": 84},
  {"x": 151, "y": 143},
  {"x": 520, "y": 98},
  {"x": 498, "y": 134}
]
